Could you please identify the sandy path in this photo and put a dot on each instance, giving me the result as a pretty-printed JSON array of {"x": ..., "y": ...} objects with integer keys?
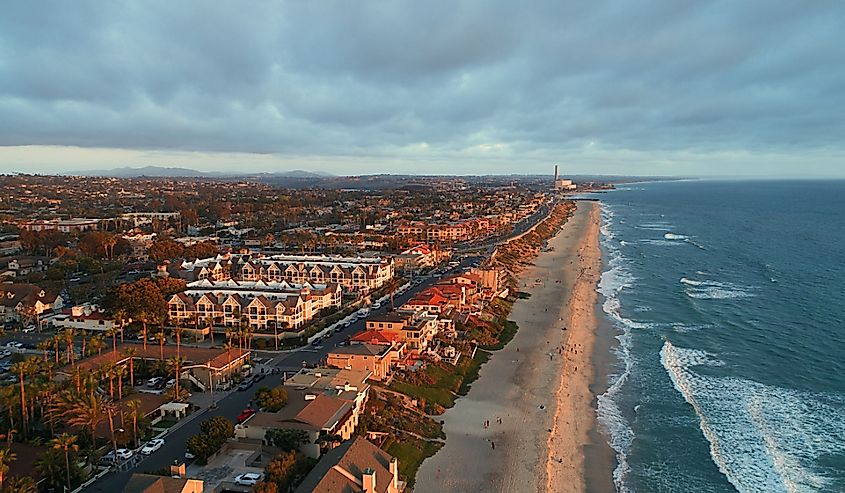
[{"x": 522, "y": 384}]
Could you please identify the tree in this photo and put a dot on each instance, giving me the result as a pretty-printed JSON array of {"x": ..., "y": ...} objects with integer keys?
[
  {"x": 175, "y": 365},
  {"x": 67, "y": 444},
  {"x": 6, "y": 457},
  {"x": 202, "y": 249},
  {"x": 265, "y": 487},
  {"x": 131, "y": 352},
  {"x": 218, "y": 427},
  {"x": 52, "y": 467},
  {"x": 286, "y": 439},
  {"x": 214, "y": 433},
  {"x": 271, "y": 400},
  {"x": 165, "y": 249},
  {"x": 133, "y": 406},
  {"x": 22, "y": 484},
  {"x": 281, "y": 469}
]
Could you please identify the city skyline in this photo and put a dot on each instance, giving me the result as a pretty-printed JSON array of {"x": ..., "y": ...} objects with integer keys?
[{"x": 657, "y": 88}]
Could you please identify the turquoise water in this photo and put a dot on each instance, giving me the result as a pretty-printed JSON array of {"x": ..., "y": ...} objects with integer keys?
[{"x": 728, "y": 299}]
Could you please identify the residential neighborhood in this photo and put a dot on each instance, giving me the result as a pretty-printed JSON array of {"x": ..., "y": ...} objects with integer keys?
[{"x": 212, "y": 335}]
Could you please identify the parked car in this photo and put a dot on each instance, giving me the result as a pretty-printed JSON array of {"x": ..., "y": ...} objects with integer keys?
[
  {"x": 245, "y": 384},
  {"x": 248, "y": 479},
  {"x": 119, "y": 454},
  {"x": 245, "y": 414},
  {"x": 14, "y": 344},
  {"x": 189, "y": 455},
  {"x": 171, "y": 383},
  {"x": 154, "y": 382},
  {"x": 152, "y": 446}
]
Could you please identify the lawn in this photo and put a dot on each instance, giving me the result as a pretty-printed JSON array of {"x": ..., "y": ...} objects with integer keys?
[{"x": 411, "y": 452}]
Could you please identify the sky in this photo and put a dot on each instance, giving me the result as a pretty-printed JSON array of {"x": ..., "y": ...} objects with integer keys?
[{"x": 671, "y": 87}]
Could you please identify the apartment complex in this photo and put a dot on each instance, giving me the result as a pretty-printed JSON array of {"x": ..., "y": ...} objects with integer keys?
[
  {"x": 362, "y": 274},
  {"x": 265, "y": 304}
]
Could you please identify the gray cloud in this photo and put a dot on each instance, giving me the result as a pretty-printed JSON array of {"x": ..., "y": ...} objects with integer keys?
[{"x": 424, "y": 79}]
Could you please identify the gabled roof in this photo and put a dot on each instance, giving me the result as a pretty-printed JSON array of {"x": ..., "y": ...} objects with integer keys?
[
  {"x": 341, "y": 469},
  {"x": 380, "y": 337}
]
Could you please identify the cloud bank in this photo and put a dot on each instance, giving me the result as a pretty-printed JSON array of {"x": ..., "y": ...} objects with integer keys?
[{"x": 606, "y": 86}]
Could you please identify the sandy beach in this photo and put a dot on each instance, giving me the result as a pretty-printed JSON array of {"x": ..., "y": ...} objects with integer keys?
[{"x": 536, "y": 392}]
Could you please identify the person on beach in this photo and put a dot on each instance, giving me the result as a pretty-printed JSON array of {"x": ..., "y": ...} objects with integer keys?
[{"x": 493, "y": 444}]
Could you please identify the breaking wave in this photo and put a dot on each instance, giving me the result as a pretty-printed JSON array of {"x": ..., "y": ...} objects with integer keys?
[{"x": 762, "y": 438}]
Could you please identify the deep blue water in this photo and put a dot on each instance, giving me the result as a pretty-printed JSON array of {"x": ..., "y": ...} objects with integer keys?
[{"x": 728, "y": 298}]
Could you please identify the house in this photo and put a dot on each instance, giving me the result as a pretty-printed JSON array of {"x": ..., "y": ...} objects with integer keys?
[
  {"x": 431, "y": 300},
  {"x": 26, "y": 302},
  {"x": 376, "y": 358},
  {"x": 356, "y": 466},
  {"x": 151, "y": 483},
  {"x": 323, "y": 417},
  {"x": 350, "y": 385},
  {"x": 85, "y": 317},
  {"x": 416, "y": 328}
]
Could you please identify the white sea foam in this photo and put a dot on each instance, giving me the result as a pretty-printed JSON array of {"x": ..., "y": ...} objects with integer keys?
[
  {"x": 613, "y": 280},
  {"x": 714, "y": 290},
  {"x": 762, "y": 438},
  {"x": 652, "y": 241},
  {"x": 655, "y": 226},
  {"x": 674, "y": 236}
]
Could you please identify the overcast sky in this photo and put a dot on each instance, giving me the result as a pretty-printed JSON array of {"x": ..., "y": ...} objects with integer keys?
[{"x": 669, "y": 87}]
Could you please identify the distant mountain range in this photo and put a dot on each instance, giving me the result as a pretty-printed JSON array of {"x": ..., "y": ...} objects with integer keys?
[{"x": 168, "y": 172}]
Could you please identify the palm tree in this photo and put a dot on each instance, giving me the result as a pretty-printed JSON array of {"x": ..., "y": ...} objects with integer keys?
[
  {"x": 85, "y": 411},
  {"x": 177, "y": 333},
  {"x": 130, "y": 353},
  {"x": 56, "y": 340},
  {"x": 119, "y": 373},
  {"x": 98, "y": 343},
  {"x": 67, "y": 338},
  {"x": 6, "y": 457},
  {"x": 209, "y": 321},
  {"x": 22, "y": 484},
  {"x": 112, "y": 332},
  {"x": 160, "y": 337},
  {"x": 107, "y": 371},
  {"x": 45, "y": 346},
  {"x": 67, "y": 444},
  {"x": 133, "y": 406},
  {"x": 175, "y": 365},
  {"x": 21, "y": 368}
]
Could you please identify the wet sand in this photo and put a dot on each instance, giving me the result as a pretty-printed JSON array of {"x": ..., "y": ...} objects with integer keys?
[{"x": 539, "y": 385}]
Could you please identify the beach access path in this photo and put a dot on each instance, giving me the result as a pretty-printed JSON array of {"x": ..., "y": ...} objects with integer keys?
[{"x": 538, "y": 385}]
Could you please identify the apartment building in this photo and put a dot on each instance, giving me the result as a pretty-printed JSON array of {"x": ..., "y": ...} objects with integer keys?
[
  {"x": 267, "y": 305},
  {"x": 353, "y": 273},
  {"x": 361, "y": 274},
  {"x": 26, "y": 302}
]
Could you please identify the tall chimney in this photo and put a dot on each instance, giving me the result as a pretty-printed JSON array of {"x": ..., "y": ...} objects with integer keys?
[
  {"x": 556, "y": 173},
  {"x": 368, "y": 480},
  {"x": 394, "y": 471}
]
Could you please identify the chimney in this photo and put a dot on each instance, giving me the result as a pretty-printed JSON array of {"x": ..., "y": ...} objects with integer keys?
[
  {"x": 556, "y": 175},
  {"x": 368, "y": 480},
  {"x": 177, "y": 469},
  {"x": 394, "y": 471}
]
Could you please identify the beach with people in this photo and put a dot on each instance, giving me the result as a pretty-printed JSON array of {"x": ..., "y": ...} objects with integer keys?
[{"x": 527, "y": 420}]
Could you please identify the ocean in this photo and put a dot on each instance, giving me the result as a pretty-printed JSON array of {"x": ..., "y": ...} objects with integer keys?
[{"x": 727, "y": 299}]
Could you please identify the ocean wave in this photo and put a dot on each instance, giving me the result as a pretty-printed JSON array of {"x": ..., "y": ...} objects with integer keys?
[
  {"x": 652, "y": 241},
  {"x": 673, "y": 236},
  {"x": 762, "y": 438},
  {"x": 714, "y": 290},
  {"x": 655, "y": 226},
  {"x": 717, "y": 293},
  {"x": 612, "y": 282}
]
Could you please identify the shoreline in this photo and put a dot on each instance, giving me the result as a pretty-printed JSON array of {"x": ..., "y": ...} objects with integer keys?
[{"x": 532, "y": 385}]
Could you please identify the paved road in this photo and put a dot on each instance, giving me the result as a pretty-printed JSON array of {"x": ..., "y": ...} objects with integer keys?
[{"x": 231, "y": 404}]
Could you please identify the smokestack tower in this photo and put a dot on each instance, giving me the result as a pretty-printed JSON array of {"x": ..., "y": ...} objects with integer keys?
[{"x": 556, "y": 176}]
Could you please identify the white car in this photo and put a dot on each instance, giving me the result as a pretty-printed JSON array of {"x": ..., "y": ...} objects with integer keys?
[
  {"x": 152, "y": 446},
  {"x": 248, "y": 479},
  {"x": 154, "y": 381},
  {"x": 121, "y": 453}
]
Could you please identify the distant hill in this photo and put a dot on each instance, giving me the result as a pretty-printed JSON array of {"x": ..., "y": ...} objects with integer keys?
[{"x": 173, "y": 172}]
